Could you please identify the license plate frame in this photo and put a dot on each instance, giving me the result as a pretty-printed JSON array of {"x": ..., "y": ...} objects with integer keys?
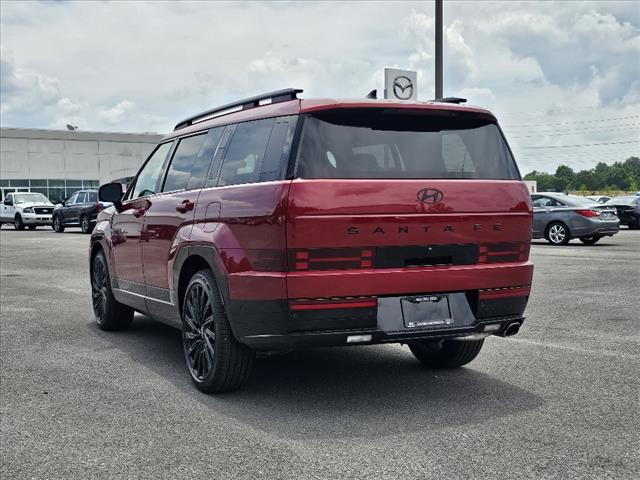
[{"x": 426, "y": 311}]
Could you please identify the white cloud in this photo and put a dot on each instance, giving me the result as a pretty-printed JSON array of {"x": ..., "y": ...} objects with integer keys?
[{"x": 117, "y": 114}]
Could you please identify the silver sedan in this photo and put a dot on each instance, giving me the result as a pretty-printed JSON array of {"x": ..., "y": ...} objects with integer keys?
[{"x": 559, "y": 218}]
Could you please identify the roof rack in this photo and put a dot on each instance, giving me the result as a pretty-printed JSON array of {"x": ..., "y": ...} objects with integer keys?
[
  {"x": 450, "y": 100},
  {"x": 253, "y": 102}
]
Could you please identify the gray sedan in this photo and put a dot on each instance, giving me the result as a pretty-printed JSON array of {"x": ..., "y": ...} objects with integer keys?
[{"x": 559, "y": 218}]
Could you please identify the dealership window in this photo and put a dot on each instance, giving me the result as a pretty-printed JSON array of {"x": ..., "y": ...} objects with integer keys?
[{"x": 55, "y": 190}]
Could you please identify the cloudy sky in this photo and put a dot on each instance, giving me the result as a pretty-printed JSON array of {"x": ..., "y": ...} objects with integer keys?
[{"x": 563, "y": 77}]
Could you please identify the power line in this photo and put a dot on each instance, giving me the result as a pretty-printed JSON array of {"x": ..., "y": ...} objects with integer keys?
[
  {"x": 572, "y": 122},
  {"x": 581, "y": 145},
  {"x": 576, "y": 132}
]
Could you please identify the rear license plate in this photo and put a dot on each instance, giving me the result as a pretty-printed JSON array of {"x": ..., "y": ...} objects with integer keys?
[{"x": 424, "y": 311}]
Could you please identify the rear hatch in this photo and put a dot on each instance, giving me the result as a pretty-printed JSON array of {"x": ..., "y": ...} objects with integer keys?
[{"x": 404, "y": 189}]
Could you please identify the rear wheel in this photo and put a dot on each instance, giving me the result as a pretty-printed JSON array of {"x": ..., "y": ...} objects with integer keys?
[
  {"x": 558, "y": 234},
  {"x": 217, "y": 362},
  {"x": 57, "y": 224},
  {"x": 590, "y": 240},
  {"x": 17, "y": 222},
  {"x": 85, "y": 224},
  {"x": 109, "y": 313},
  {"x": 446, "y": 353}
]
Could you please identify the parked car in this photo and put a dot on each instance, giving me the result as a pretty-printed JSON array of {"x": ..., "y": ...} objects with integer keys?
[
  {"x": 277, "y": 223},
  {"x": 598, "y": 198},
  {"x": 628, "y": 210},
  {"x": 80, "y": 209},
  {"x": 559, "y": 218},
  {"x": 26, "y": 209}
]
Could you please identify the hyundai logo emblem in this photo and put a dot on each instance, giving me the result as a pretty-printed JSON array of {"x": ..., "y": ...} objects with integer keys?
[
  {"x": 402, "y": 87},
  {"x": 430, "y": 195}
]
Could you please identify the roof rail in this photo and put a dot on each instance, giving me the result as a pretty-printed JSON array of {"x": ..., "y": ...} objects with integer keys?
[
  {"x": 450, "y": 100},
  {"x": 253, "y": 102}
]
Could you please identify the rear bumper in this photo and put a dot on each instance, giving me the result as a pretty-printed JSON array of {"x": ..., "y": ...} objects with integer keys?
[
  {"x": 596, "y": 227},
  {"x": 269, "y": 323},
  {"x": 338, "y": 338}
]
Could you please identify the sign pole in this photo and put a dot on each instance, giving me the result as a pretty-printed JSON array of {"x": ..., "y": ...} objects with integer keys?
[{"x": 439, "y": 93}]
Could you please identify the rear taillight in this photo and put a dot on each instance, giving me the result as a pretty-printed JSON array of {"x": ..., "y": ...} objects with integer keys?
[
  {"x": 265, "y": 260},
  {"x": 333, "y": 303},
  {"x": 99, "y": 207},
  {"x": 331, "y": 259},
  {"x": 503, "y": 252},
  {"x": 588, "y": 213}
]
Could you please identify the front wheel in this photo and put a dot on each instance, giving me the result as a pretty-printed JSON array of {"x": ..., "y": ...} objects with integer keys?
[
  {"x": 57, "y": 224},
  {"x": 17, "y": 223},
  {"x": 85, "y": 224},
  {"x": 558, "y": 234},
  {"x": 446, "y": 353},
  {"x": 590, "y": 240},
  {"x": 217, "y": 362},
  {"x": 109, "y": 313}
]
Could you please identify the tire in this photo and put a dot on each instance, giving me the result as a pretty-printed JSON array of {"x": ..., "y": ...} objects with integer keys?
[
  {"x": 32, "y": 227},
  {"x": 85, "y": 224},
  {"x": 17, "y": 222},
  {"x": 557, "y": 234},
  {"x": 109, "y": 313},
  {"x": 57, "y": 224},
  {"x": 590, "y": 240},
  {"x": 216, "y": 361},
  {"x": 633, "y": 226},
  {"x": 446, "y": 353}
]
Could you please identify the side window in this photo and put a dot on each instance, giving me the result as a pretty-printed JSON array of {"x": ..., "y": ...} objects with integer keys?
[
  {"x": 9, "y": 198},
  {"x": 149, "y": 176},
  {"x": 92, "y": 197},
  {"x": 81, "y": 198},
  {"x": 201, "y": 165},
  {"x": 245, "y": 153},
  {"x": 73, "y": 198},
  {"x": 182, "y": 163}
]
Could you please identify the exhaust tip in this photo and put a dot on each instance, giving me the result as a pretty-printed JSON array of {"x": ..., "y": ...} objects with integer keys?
[{"x": 511, "y": 329}]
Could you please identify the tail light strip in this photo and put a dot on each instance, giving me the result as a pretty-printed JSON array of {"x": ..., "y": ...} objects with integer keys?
[
  {"x": 503, "y": 252},
  {"x": 491, "y": 293},
  {"x": 333, "y": 303}
]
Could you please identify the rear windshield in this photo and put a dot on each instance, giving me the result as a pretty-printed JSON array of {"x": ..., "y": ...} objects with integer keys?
[{"x": 399, "y": 144}]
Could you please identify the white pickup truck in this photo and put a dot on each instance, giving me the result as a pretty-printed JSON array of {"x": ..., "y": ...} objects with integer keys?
[{"x": 26, "y": 209}]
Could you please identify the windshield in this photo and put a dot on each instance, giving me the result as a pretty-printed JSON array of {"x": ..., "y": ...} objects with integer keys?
[
  {"x": 30, "y": 198},
  {"x": 388, "y": 143},
  {"x": 627, "y": 200}
]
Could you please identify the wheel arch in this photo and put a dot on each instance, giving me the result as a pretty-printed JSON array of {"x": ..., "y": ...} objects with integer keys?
[{"x": 198, "y": 257}]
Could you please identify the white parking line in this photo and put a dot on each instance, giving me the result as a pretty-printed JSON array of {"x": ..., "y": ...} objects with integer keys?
[{"x": 605, "y": 353}]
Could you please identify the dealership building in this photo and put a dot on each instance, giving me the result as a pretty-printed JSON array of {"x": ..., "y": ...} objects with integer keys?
[{"x": 56, "y": 163}]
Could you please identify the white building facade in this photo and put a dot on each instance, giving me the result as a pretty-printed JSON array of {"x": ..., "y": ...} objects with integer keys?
[{"x": 57, "y": 163}]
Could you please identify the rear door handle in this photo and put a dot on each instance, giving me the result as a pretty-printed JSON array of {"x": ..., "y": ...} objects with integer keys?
[
  {"x": 138, "y": 212},
  {"x": 185, "y": 206}
]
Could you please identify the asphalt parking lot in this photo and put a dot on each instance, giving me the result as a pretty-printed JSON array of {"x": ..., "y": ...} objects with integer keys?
[{"x": 560, "y": 400}]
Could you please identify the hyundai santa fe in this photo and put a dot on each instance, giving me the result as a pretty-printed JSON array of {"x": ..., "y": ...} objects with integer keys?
[{"x": 283, "y": 223}]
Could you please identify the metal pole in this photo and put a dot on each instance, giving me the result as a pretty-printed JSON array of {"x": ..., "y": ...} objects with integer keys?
[{"x": 439, "y": 49}]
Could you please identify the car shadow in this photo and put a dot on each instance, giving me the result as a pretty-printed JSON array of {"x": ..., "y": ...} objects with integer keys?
[{"x": 334, "y": 392}]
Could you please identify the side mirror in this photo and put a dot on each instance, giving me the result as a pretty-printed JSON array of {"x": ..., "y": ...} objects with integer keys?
[{"x": 111, "y": 192}]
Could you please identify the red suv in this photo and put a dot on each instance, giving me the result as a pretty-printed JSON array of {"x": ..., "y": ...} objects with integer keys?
[{"x": 278, "y": 223}]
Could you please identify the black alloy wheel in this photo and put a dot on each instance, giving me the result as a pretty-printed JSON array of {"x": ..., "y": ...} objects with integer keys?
[
  {"x": 199, "y": 334},
  {"x": 85, "y": 224},
  {"x": 217, "y": 362},
  {"x": 17, "y": 222},
  {"x": 99, "y": 279},
  {"x": 108, "y": 312},
  {"x": 57, "y": 224}
]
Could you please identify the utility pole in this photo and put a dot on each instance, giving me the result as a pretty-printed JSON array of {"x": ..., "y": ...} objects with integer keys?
[{"x": 439, "y": 93}]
